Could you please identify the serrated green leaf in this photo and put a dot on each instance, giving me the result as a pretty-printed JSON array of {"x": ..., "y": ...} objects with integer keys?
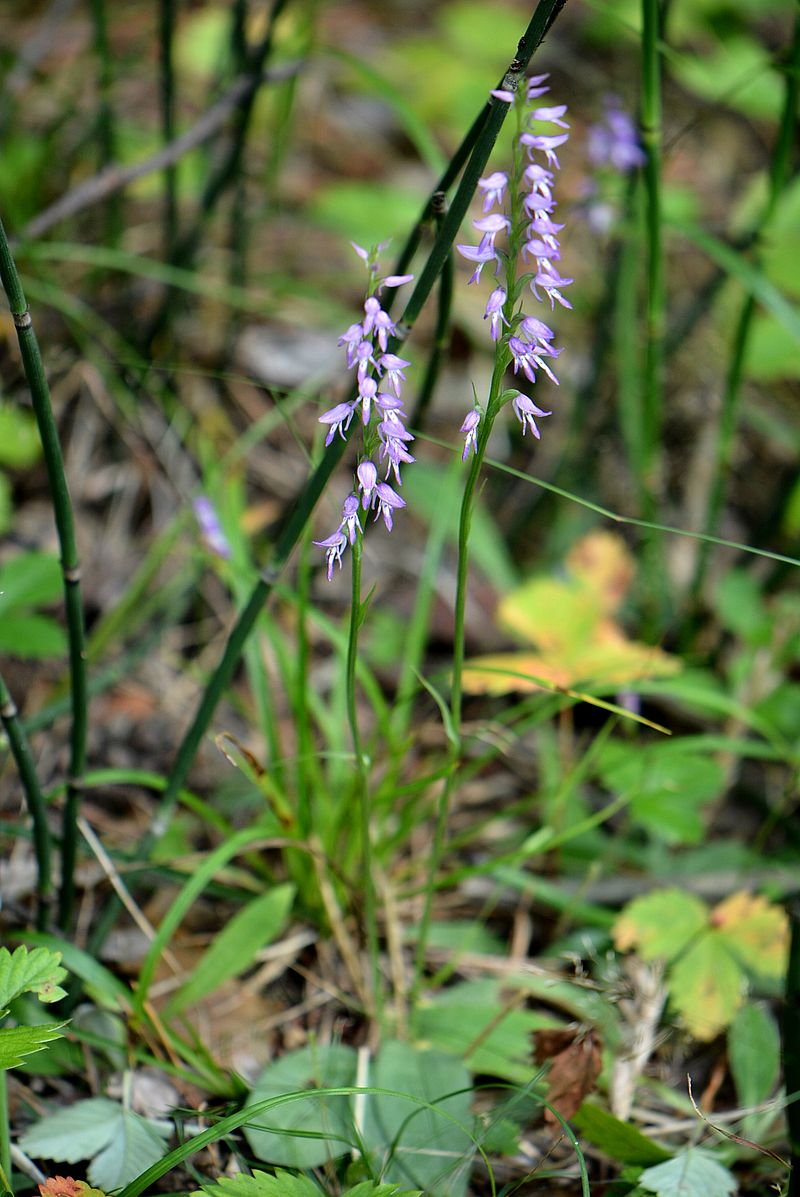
[
  {"x": 660, "y": 925},
  {"x": 76, "y": 1133},
  {"x": 691, "y": 1173},
  {"x": 706, "y": 986},
  {"x": 667, "y": 787},
  {"x": 261, "y": 1184},
  {"x": 416, "y": 1143},
  {"x": 35, "y": 970},
  {"x": 368, "y": 1188},
  {"x": 754, "y": 1052},
  {"x": 617, "y": 1139},
  {"x": 755, "y": 932},
  {"x": 322, "y": 1126},
  {"x": 18, "y": 1042},
  {"x": 135, "y": 1145},
  {"x": 235, "y": 948}
]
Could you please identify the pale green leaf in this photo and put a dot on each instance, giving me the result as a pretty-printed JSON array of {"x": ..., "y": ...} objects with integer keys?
[
  {"x": 28, "y": 580},
  {"x": 35, "y": 970},
  {"x": 19, "y": 438},
  {"x": 235, "y": 947},
  {"x": 418, "y": 1144},
  {"x": 136, "y": 1144},
  {"x": 754, "y": 1052},
  {"x": 261, "y": 1184},
  {"x": 691, "y": 1173},
  {"x": 660, "y": 925},
  {"x": 31, "y": 637},
  {"x": 321, "y": 1128},
  {"x": 18, "y": 1042},
  {"x": 706, "y": 987},
  {"x": 619, "y": 1140},
  {"x": 75, "y": 1133}
]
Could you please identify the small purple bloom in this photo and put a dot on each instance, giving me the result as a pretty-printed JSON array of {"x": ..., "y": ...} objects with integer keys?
[
  {"x": 210, "y": 527},
  {"x": 550, "y": 284},
  {"x": 526, "y": 410},
  {"x": 553, "y": 115},
  {"x": 390, "y": 406},
  {"x": 548, "y": 146},
  {"x": 470, "y": 428},
  {"x": 387, "y": 502},
  {"x": 352, "y": 338},
  {"x": 475, "y": 253},
  {"x": 393, "y": 368},
  {"x": 339, "y": 418},
  {"x": 335, "y": 545},
  {"x": 363, "y": 356},
  {"x": 536, "y": 330},
  {"x": 499, "y": 94},
  {"x": 493, "y": 187},
  {"x": 350, "y": 520},
  {"x": 367, "y": 389},
  {"x": 615, "y": 142},
  {"x": 378, "y": 320},
  {"x": 367, "y": 478},
  {"x": 494, "y": 312},
  {"x": 490, "y": 226},
  {"x": 535, "y": 89},
  {"x": 395, "y": 280}
]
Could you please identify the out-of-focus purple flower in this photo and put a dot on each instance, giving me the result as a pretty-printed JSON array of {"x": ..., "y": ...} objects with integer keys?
[
  {"x": 500, "y": 94},
  {"x": 392, "y": 367},
  {"x": 614, "y": 141},
  {"x": 339, "y": 418},
  {"x": 395, "y": 280},
  {"x": 367, "y": 478},
  {"x": 210, "y": 527},
  {"x": 552, "y": 114},
  {"x": 335, "y": 545},
  {"x": 535, "y": 88},
  {"x": 494, "y": 312},
  {"x": 493, "y": 188},
  {"x": 527, "y": 412},
  {"x": 350, "y": 521},
  {"x": 363, "y": 357},
  {"x": 470, "y": 429},
  {"x": 386, "y": 501}
]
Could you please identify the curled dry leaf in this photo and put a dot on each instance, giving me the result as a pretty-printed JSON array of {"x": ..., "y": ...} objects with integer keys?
[{"x": 575, "y": 1062}]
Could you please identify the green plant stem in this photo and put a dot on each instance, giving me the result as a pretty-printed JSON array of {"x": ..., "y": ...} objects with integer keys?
[
  {"x": 37, "y": 807},
  {"x": 166, "y": 10},
  {"x": 362, "y": 767},
  {"x": 106, "y": 130},
  {"x": 441, "y": 333},
  {"x": 791, "y": 1044},
  {"x": 70, "y": 567},
  {"x": 780, "y": 167},
  {"x": 5, "y": 1135},
  {"x": 299, "y": 515}
]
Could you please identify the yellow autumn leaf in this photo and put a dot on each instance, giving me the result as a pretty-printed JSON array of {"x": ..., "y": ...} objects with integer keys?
[
  {"x": 602, "y": 562},
  {"x": 706, "y": 987},
  {"x": 756, "y": 931}
]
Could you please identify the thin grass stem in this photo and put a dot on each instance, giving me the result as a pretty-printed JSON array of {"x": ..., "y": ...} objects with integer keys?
[
  {"x": 70, "y": 567},
  {"x": 166, "y": 41},
  {"x": 34, "y": 798},
  {"x": 441, "y": 335},
  {"x": 106, "y": 124}
]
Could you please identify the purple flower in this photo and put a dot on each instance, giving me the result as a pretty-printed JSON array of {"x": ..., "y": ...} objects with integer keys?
[
  {"x": 352, "y": 338},
  {"x": 393, "y": 437},
  {"x": 535, "y": 89},
  {"x": 339, "y": 418},
  {"x": 548, "y": 146},
  {"x": 536, "y": 330},
  {"x": 211, "y": 528},
  {"x": 550, "y": 284},
  {"x": 615, "y": 142},
  {"x": 500, "y": 94},
  {"x": 493, "y": 187},
  {"x": 552, "y": 114},
  {"x": 474, "y": 253},
  {"x": 387, "y": 502},
  {"x": 378, "y": 320},
  {"x": 367, "y": 478},
  {"x": 390, "y": 406},
  {"x": 350, "y": 520},
  {"x": 494, "y": 312},
  {"x": 490, "y": 226},
  {"x": 530, "y": 358},
  {"x": 395, "y": 280},
  {"x": 470, "y": 428},
  {"x": 335, "y": 545},
  {"x": 367, "y": 389},
  {"x": 392, "y": 367},
  {"x": 525, "y": 410}
]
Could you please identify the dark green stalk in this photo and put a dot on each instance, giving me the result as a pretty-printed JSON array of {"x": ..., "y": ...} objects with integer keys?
[
  {"x": 791, "y": 1045},
  {"x": 726, "y": 429},
  {"x": 106, "y": 130},
  {"x": 656, "y": 293},
  {"x": 34, "y": 798},
  {"x": 441, "y": 335},
  {"x": 298, "y": 517},
  {"x": 362, "y": 767},
  {"x": 70, "y": 567},
  {"x": 167, "y": 95},
  {"x": 5, "y": 1137}
]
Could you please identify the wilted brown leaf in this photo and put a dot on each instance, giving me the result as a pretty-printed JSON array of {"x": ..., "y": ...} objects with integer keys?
[{"x": 575, "y": 1062}]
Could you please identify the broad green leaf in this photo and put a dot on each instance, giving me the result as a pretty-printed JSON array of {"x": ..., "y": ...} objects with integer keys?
[
  {"x": 771, "y": 350},
  {"x": 31, "y": 636},
  {"x": 754, "y": 1052},
  {"x": 667, "y": 787},
  {"x": 478, "y": 1018},
  {"x": 413, "y": 1143},
  {"x": 615, "y": 1138},
  {"x": 235, "y": 947},
  {"x": 136, "y": 1144},
  {"x": 739, "y": 603},
  {"x": 261, "y": 1184},
  {"x": 661, "y": 924},
  {"x": 5, "y": 503},
  {"x": 369, "y": 1188},
  {"x": 76, "y": 1133},
  {"x": 461, "y": 935},
  {"x": 36, "y": 971},
  {"x": 367, "y": 211},
  {"x": 691, "y": 1173},
  {"x": 322, "y": 1126},
  {"x": 706, "y": 987},
  {"x": 18, "y": 1042},
  {"x": 29, "y": 580},
  {"x": 737, "y": 73},
  {"x": 19, "y": 439},
  {"x": 755, "y": 931}
]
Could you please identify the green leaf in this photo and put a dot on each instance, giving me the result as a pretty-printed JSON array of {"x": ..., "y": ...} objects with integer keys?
[
  {"x": 771, "y": 350},
  {"x": 740, "y": 606},
  {"x": 369, "y": 1188},
  {"x": 31, "y": 637},
  {"x": 36, "y": 971},
  {"x": 667, "y": 787},
  {"x": 615, "y": 1138},
  {"x": 691, "y": 1173},
  {"x": 414, "y": 1143},
  {"x": 261, "y": 1184},
  {"x": 18, "y": 1042},
  {"x": 19, "y": 438},
  {"x": 136, "y": 1144},
  {"x": 5, "y": 503},
  {"x": 367, "y": 211},
  {"x": 706, "y": 987},
  {"x": 29, "y": 580},
  {"x": 738, "y": 73},
  {"x": 754, "y": 1052},
  {"x": 755, "y": 932},
  {"x": 235, "y": 948},
  {"x": 76, "y": 1133},
  {"x": 661, "y": 924},
  {"x": 320, "y": 1128}
]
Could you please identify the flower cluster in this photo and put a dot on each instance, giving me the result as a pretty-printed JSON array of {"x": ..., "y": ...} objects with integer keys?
[
  {"x": 380, "y": 375},
  {"x": 526, "y": 202}
]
